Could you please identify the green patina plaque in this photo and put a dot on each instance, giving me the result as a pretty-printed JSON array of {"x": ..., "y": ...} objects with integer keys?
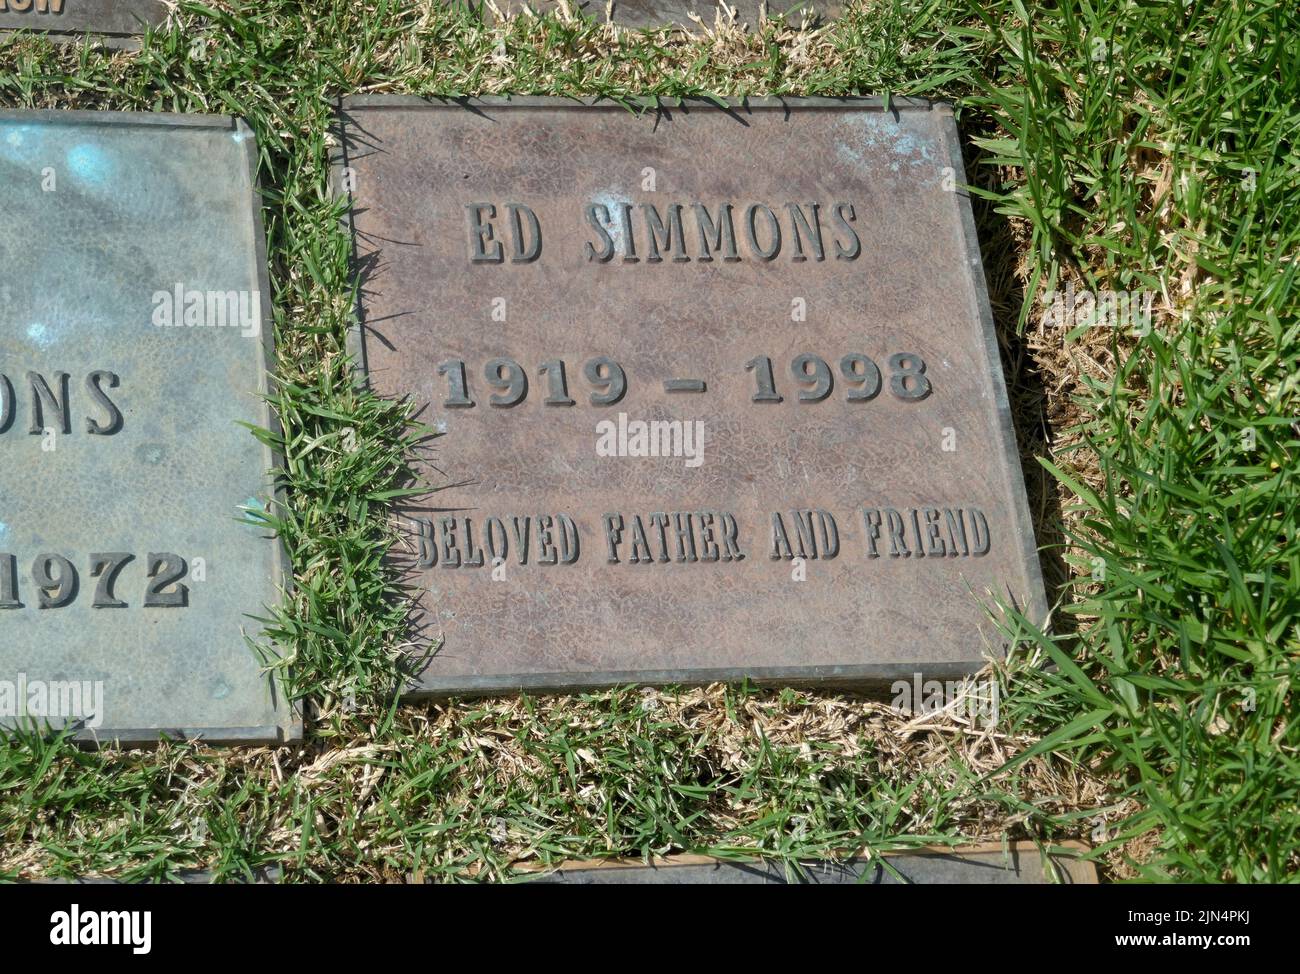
[{"x": 134, "y": 347}]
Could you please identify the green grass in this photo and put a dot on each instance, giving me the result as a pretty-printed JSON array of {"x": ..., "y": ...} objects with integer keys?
[
  {"x": 1167, "y": 166},
  {"x": 1114, "y": 145}
]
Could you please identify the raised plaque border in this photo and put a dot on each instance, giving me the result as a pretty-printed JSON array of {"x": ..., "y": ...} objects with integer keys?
[{"x": 849, "y": 676}]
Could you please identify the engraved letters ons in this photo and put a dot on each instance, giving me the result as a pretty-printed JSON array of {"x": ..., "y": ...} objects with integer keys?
[{"x": 49, "y": 402}]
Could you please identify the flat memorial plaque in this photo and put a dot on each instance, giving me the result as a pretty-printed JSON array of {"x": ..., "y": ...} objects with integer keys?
[
  {"x": 115, "y": 23},
  {"x": 720, "y": 390},
  {"x": 134, "y": 341}
]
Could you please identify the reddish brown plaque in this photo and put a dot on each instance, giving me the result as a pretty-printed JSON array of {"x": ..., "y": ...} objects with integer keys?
[{"x": 719, "y": 387}]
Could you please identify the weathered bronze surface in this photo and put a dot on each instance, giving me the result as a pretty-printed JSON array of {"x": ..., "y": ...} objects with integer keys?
[
  {"x": 660, "y": 13},
  {"x": 845, "y": 378},
  {"x": 113, "y": 22},
  {"x": 134, "y": 341}
]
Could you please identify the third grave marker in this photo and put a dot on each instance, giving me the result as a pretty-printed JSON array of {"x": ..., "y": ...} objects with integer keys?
[{"x": 114, "y": 23}]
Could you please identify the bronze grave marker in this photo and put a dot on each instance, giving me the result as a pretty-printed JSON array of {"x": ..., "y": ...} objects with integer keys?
[
  {"x": 719, "y": 390},
  {"x": 135, "y": 342},
  {"x": 113, "y": 23}
]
